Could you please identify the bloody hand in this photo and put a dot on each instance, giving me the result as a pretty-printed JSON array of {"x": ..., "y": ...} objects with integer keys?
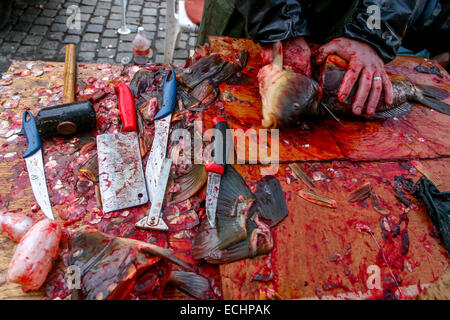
[
  {"x": 365, "y": 64},
  {"x": 296, "y": 54}
]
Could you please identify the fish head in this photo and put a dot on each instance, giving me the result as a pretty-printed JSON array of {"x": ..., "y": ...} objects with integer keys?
[{"x": 286, "y": 96}]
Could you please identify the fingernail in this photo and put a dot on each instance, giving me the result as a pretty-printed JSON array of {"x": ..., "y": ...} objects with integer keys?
[{"x": 357, "y": 110}]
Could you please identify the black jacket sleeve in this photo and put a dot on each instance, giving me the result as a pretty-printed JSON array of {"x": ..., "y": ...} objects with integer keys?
[
  {"x": 394, "y": 18},
  {"x": 267, "y": 21}
]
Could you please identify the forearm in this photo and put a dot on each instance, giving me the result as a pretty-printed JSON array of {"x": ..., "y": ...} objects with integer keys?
[{"x": 385, "y": 37}]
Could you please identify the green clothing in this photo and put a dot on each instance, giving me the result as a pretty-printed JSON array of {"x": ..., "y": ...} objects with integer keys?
[{"x": 220, "y": 17}]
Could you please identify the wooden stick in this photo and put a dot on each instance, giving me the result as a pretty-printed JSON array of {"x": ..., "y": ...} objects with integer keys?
[{"x": 70, "y": 73}]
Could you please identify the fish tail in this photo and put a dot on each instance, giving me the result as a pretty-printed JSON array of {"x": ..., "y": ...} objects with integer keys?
[
  {"x": 191, "y": 283},
  {"x": 432, "y": 98}
]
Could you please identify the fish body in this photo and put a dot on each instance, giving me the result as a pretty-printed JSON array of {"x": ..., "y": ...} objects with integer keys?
[{"x": 289, "y": 97}]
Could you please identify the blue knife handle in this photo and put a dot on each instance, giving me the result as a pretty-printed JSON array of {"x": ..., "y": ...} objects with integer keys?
[
  {"x": 169, "y": 96},
  {"x": 32, "y": 134}
]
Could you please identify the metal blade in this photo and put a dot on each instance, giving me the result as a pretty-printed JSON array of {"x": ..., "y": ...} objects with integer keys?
[
  {"x": 35, "y": 167},
  {"x": 331, "y": 113},
  {"x": 212, "y": 194},
  {"x": 121, "y": 175},
  {"x": 157, "y": 154},
  {"x": 153, "y": 220}
]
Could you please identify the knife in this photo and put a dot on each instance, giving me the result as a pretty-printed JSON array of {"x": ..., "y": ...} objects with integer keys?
[
  {"x": 35, "y": 164},
  {"x": 162, "y": 127},
  {"x": 121, "y": 175},
  {"x": 216, "y": 169},
  {"x": 154, "y": 220}
]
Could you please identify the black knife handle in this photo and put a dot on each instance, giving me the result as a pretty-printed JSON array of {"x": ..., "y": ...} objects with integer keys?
[
  {"x": 66, "y": 119},
  {"x": 220, "y": 143}
]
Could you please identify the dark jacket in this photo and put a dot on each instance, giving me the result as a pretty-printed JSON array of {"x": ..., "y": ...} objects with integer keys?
[{"x": 267, "y": 21}]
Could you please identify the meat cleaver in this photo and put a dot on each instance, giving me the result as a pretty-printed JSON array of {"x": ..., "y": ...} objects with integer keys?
[{"x": 121, "y": 175}]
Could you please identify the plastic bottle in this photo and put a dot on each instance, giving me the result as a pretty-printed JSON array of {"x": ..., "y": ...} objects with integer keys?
[{"x": 141, "y": 47}]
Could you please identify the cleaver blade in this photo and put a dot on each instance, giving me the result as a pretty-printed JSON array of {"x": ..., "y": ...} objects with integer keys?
[{"x": 121, "y": 175}]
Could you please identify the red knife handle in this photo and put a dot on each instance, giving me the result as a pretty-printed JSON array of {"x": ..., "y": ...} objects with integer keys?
[
  {"x": 220, "y": 154},
  {"x": 126, "y": 107}
]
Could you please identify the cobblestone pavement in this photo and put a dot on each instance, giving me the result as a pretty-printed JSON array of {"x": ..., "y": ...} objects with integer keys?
[{"x": 37, "y": 30}]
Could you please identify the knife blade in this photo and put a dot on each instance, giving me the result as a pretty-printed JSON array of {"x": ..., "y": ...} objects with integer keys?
[
  {"x": 154, "y": 220},
  {"x": 216, "y": 168},
  {"x": 121, "y": 175},
  {"x": 35, "y": 164},
  {"x": 162, "y": 127}
]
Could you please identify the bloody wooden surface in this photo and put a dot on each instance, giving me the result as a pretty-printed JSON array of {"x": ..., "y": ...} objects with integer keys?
[
  {"x": 72, "y": 193},
  {"x": 319, "y": 252},
  {"x": 308, "y": 243},
  {"x": 15, "y": 190},
  {"x": 421, "y": 134}
]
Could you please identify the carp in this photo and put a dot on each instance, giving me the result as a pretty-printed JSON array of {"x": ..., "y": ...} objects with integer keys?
[{"x": 289, "y": 97}]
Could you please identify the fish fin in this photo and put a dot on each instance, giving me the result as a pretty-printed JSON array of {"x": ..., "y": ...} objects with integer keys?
[
  {"x": 237, "y": 251},
  {"x": 202, "y": 90},
  {"x": 160, "y": 252},
  {"x": 141, "y": 81},
  {"x": 433, "y": 92},
  {"x": 242, "y": 58},
  {"x": 232, "y": 186},
  {"x": 240, "y": 250},
  {"x": 228, "y": 231},
  {"x": 396, "y": 112},
  {"x": 191, "y": 283},
  {"x": 201, "y": 70},
  {"x": 431, "y": 98},
  {"x": 270, "y": 200},
  {"x": 278, "y": 54},
  {"x": 187, "y": 99},
  {"x": 190, "y": 183}
]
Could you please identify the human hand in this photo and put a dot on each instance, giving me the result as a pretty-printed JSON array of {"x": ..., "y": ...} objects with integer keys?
[
  {"x": 365, "y": 64},
  {"x": 296, "y": 54}
]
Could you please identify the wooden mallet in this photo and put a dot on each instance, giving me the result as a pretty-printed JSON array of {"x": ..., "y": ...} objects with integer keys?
[{"x": 70, "y": 117}]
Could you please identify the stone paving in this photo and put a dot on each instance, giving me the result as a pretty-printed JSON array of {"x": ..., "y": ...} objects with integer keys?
[{"x": 37, "y": 30}]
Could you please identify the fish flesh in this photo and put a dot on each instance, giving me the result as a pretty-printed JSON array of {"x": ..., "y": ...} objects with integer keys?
[
  {"x": 33, "y": 257},
  {"x": 14, "y": 225},
  {"x": 289, "y": 97}
]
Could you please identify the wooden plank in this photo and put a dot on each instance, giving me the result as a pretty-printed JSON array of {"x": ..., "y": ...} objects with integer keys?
[{"x": 317, "y": 248}]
